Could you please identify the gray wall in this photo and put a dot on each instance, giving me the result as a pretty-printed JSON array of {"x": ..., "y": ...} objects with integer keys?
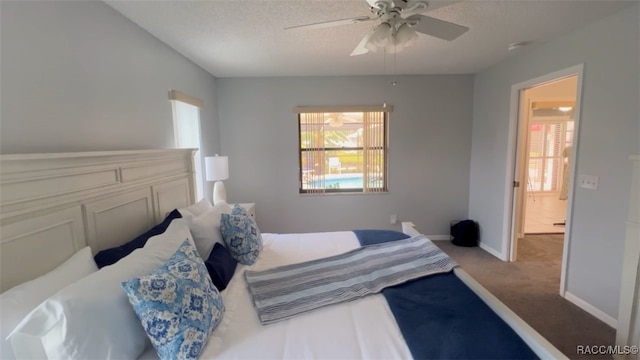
[
  {"x": 430, "y": 133},
  {"x": 79, "y": 76},
  {"x": 609, "y": 133}
]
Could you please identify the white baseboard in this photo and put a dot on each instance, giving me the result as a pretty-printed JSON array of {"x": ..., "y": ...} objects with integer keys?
[
  {"x": 597, "y": 313},
  {"x": 492, "y": 251},
  {"x": 438, "y": 237}
]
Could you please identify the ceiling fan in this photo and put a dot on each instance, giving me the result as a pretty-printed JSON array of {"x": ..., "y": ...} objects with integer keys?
[{"x": 397, "y": 22}]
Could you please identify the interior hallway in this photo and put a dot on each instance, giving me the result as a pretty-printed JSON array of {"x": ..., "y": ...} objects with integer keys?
[{"x": 542, "y": 211}]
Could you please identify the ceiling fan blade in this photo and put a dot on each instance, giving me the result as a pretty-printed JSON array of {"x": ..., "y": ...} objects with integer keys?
[
  {"x": 437, "y": 28},
  {"x": 361, "y": 49},
  {"x": 331, "y": 23}
]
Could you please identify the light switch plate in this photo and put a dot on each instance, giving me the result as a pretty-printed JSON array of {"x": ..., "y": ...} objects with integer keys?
[{"x": 588, "y": 182}]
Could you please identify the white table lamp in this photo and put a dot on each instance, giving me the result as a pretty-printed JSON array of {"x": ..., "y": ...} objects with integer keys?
[{"x": 217, "y": 169}]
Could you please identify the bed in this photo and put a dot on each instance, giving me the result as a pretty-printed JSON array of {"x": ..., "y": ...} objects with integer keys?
[{"x": 53, "y": 205}]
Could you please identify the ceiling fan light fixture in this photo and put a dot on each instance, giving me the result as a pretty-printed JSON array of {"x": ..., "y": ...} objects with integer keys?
[
  {"x": 398, "y": 24},
  {"x": 404, "y": 37},
  {"x": 391, "y": 39},
  {"x": 380, "y": 36}
]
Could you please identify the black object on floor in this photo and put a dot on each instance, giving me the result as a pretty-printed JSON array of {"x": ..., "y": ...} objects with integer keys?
[{"x": 465, "y": 233}]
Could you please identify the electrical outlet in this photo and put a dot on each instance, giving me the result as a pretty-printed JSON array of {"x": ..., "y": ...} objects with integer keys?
[
  {"x": 393, "y": 218},
  {"x": 588, "y": 182}
]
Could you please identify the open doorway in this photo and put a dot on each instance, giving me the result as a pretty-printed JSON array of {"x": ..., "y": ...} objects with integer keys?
[
  {"x": 549, "y": 150},
  {"x": 549, "y": 144},
  {"x": 546, "y": 122}
]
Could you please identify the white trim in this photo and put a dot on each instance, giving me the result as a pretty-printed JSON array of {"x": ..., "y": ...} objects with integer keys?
[
  {"x": 507, "y": 216},
  {"x": 339, "y": 109},
  {"x": 572, "y": 174},
  {"x": 493, "y": 252},
  {"x": 179, "y": 107},
  {"x": 597, "y": 313},
  {"x": 180, "y": 96},
  {"x": 507, "y": 231},
  {"x": 628, "y": 330},
  {"x": 409, "y": 228},
  {"x": 439, "y": 237}
]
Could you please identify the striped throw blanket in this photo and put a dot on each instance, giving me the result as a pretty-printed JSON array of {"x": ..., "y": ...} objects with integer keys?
[{"x": 286, "y": 291}]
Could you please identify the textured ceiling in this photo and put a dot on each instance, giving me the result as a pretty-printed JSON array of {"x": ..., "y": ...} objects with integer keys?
[{"x": 245, "y": 38}]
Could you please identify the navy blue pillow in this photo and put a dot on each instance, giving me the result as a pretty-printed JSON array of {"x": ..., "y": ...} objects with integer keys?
[
  {"x": 111, "y": 256},
  {"x": 221, "y": 266}
]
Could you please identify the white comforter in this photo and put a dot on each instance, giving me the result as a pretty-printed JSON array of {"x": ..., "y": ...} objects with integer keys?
[{"x": 364, "y": 328}]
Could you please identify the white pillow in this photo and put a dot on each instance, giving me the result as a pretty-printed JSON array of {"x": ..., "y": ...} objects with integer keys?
[
  {"x": 206, "y": 229},
  {"x": 92, "y": 318},
  {"x": 19, "y": 301},
  {"x": 196, "y": 209}
]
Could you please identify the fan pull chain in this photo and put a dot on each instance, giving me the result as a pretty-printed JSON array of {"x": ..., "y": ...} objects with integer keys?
[
  {"x": 384, "y": 62},
  {"x": 393, "y": 74}
]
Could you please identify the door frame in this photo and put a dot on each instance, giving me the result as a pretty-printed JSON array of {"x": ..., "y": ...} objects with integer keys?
[
  {"x": 508, "y": 229},
  {"x": 521, "y": 163}
]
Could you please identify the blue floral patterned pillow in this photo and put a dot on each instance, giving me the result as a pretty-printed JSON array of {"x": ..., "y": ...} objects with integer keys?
[
  {"x": 239, "y": 210},
  {"x": 241, "y": 237},
  {"x": 177, "y": 304}
]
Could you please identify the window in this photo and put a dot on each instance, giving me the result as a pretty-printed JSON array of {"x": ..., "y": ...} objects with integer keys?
[
  {"x": 343, "y": 149},
  {"x": 186, "y": 129},
  {"x": 547, "y": 141},
  {"x": 544, "y": 156},
  {"x": 550, "y": 133}
]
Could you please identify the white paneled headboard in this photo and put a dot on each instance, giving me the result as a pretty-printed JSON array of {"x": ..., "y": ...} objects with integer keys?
[{"x": 52, "y": 205}]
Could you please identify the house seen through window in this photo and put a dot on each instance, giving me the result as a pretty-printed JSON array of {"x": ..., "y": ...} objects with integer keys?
[{"x": 343, "y": 149}]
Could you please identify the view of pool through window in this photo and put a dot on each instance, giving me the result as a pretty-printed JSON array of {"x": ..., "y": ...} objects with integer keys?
[
  {"x": 342, "y": 181},
  {"x": 342, "y": 151}
]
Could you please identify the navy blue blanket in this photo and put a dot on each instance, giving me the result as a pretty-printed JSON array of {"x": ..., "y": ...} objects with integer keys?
[{"x": 441, "y": 318}]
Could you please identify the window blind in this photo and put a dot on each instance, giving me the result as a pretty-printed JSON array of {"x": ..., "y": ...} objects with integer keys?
[
  {"x": 374, "y": 152},
  {"x": 315, "y": 152}
]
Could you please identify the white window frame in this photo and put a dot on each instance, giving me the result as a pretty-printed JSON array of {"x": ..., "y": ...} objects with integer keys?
[
  {"x": 322, "y": 112},
  {"x": 182, "y": 104},
  {"x": 562, "y": 121}
]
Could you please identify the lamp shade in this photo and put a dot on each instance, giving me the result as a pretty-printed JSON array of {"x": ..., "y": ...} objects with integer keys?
[
  {"x": 217, "y": 167},
  {"x": 380, "y": 37},
  {"x": 404, "y": 37},
  {"x": 391, "y": 38}
]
